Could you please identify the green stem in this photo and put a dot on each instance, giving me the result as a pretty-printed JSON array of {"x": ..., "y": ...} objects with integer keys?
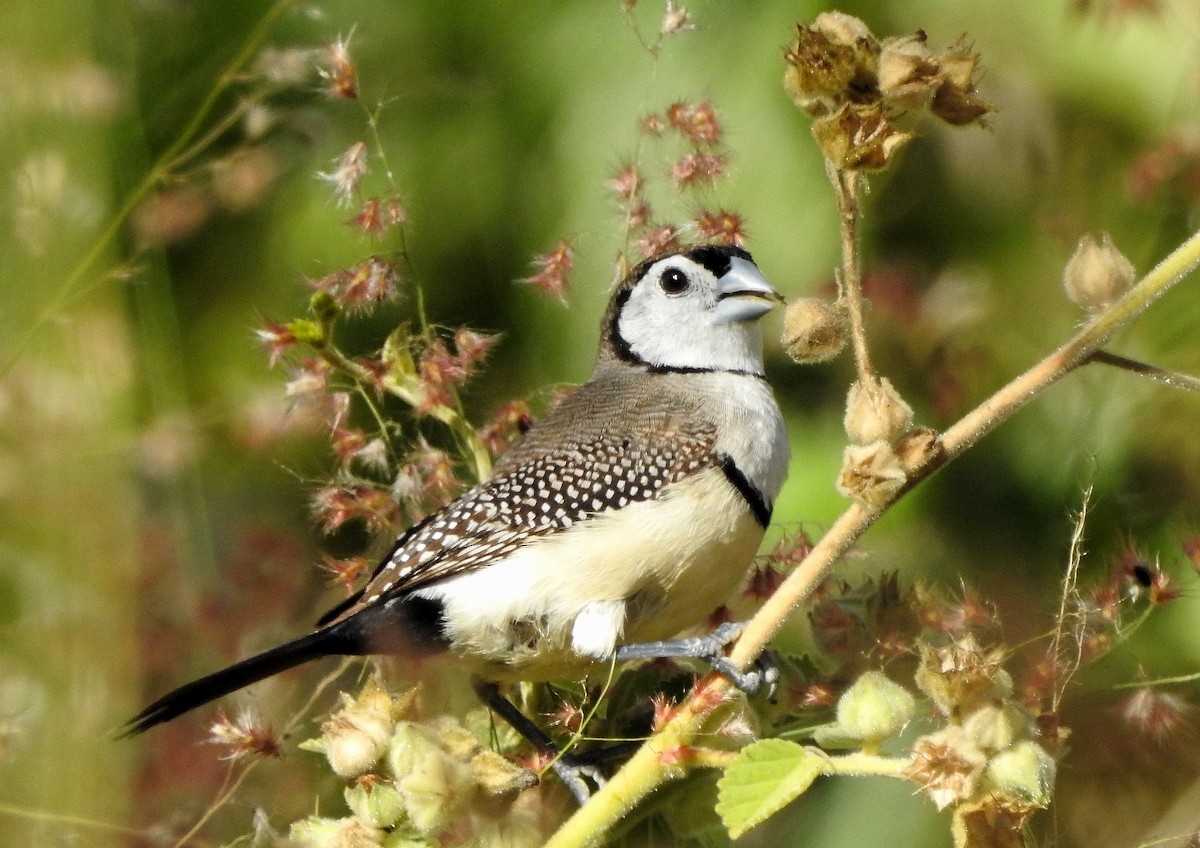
[
  {"x": 860, "y": 764},
  {"x": 158, "y": 171},
  {"x": 1158, "y": 681},
  {"x": 51, "y": 817},
  {"x": 1174, "y": 379}
]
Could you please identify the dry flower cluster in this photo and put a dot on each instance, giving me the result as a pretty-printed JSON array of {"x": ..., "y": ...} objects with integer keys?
[{"x": 855, "y": 86}]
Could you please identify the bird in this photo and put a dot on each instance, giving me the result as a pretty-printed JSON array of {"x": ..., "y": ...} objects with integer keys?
[{"x": 622, "y": 518}]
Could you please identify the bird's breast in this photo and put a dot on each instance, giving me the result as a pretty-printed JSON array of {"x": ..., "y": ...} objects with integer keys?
[{"x": 640, "y": 573}]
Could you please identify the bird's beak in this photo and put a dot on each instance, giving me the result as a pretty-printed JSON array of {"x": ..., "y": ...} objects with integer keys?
[{"x": 743, "y": 293}]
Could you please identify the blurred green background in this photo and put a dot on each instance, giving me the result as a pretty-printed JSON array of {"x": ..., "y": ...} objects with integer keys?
[{"x": 153, "y": 486}]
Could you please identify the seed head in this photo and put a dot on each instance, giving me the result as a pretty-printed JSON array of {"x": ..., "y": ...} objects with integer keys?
[
  {"x": 350, "y": 168},
  {"x": 721, "y": 227},
  {"x": 830, "y": 63},
  {"x": 1097, "y": 274},
  {"x": 874, "y": 708},
  {"x": 244, "y": 736},
  {"x": 762, "y": 582},
  {"x": 871, "y": 474},
  {"x": 947, "y": 765},
  {"x": 627, "y": 183},
  {"x": 697, "y": 168},
  {"x": 374, "y": 802},
  {"x": 278, "y": 339},
  {"x": 349, "y": 832},
  {"x": 859, "y": 137},
  {"x": 875, "y": 412},
  {"x": 657, "y": 239},
  {"x": 664, "y": 710},
  {"x": 696, "y": 122},
  {"x": 961, "y": 676},
  {"x": 345, "y": 572},
  {"x": 1157, "y": 714},
  {"x": 675, "y": 19},
  {"x": 1023, "y": 774},
  {"x": 355, "y": 737},
  {"x": 339, "y": 504},
  {"x": 813, "y": 331},
  {"x": 510, "y": 421},
  {"x": 341, "y": 76},
  {"x": 908, "y": 71},
  {"x": 554, "y": 267}
]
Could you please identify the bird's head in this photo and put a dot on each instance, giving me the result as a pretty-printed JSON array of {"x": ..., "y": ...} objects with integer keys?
[{"x": 692, "y": 310}]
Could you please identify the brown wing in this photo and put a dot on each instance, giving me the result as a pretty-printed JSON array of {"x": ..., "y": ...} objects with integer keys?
[{"x": 597, "y": 451}]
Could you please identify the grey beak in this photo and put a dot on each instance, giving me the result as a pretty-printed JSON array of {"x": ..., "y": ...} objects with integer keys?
[{"x": 743, "y": 293}]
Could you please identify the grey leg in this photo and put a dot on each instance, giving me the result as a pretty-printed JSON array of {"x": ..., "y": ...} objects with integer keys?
[
  {"x": 570, "y": 770},
  {"x": 711, "y": 649}
]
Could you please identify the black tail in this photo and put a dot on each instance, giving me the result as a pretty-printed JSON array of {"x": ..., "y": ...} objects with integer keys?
[{"x": 321, "y": 643}]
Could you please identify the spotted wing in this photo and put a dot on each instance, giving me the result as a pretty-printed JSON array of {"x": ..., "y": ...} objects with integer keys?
[{"x": 541, "y": 495}]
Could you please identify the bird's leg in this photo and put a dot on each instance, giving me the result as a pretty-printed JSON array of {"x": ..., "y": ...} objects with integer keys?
[
  {"x": 711, "y": 649},
  {"x": 570, "y": 770}
]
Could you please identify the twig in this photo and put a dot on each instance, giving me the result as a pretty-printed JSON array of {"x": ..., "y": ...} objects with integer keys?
[
  {"x": 228, "y": 789},
  {"x": 845, "y": 186},
  {"x": 1174, "y": 379},
  {"x": 1069, "y": 592},
  {"x": 68, "y": 819}
]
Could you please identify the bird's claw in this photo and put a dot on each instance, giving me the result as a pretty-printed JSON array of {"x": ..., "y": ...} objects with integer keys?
[
  {"x": 572, "y": 772},
  {"x": 765, "y": 671}
]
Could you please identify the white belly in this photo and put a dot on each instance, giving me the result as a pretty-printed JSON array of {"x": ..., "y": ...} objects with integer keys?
[{"x": 641, "y": 573}]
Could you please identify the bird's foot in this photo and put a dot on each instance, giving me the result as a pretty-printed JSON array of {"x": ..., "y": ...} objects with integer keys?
[{"x": 710, "y": 648}]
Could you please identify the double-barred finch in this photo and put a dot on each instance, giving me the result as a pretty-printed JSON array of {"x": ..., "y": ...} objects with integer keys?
[{"x": 626, "y": 515}]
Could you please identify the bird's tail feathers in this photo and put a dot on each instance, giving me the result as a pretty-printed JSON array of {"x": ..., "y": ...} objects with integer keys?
[{"x": 239, "y": 675}]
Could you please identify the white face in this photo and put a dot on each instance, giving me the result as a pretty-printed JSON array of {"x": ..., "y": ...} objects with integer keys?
[{"x": 681, "y": 315}]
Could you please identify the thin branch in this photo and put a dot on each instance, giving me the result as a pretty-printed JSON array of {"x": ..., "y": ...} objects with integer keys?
[
  {"x": 228, "y": 789},
  {"x": 859, "y": 764},
  {"x": 81, "y": 822},
  {"x": 1070, "y": 592},
  {"x": 1174, "y": 379},
  {"x": 845, "y": 186},
  {"x": 1157, "y": 681}
]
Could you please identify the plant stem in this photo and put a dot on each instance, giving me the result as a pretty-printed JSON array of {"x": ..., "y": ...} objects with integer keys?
[
  {"x": 644, "y": 772},
  {"x": 1174, "y": 379},
  {"x": 860, "y": 764},
  {"x": 157, "y": 172},
  {"x": 641, "y": 775},
  {"x": 845, "y": 186}
]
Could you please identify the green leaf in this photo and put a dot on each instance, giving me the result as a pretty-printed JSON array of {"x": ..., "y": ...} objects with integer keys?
[{"x": 764, "y": 778}]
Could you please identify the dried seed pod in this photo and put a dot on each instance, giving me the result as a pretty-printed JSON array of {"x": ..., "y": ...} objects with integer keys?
[
  {"x": 813, "y": 331},
  {"x": 875, "y": 412},
  {"x": 871, "y": 474},
  {"x": 1097, "y": 274}
]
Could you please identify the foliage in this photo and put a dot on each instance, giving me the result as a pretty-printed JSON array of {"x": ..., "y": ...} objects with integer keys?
[{"x": 450, "y": 146}]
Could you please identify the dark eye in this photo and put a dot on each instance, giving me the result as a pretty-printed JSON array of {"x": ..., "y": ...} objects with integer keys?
[{"x": 674, "y": 281}]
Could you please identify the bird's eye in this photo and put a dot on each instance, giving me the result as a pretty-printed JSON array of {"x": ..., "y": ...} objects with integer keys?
[{"x": 674, "y": 281}]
